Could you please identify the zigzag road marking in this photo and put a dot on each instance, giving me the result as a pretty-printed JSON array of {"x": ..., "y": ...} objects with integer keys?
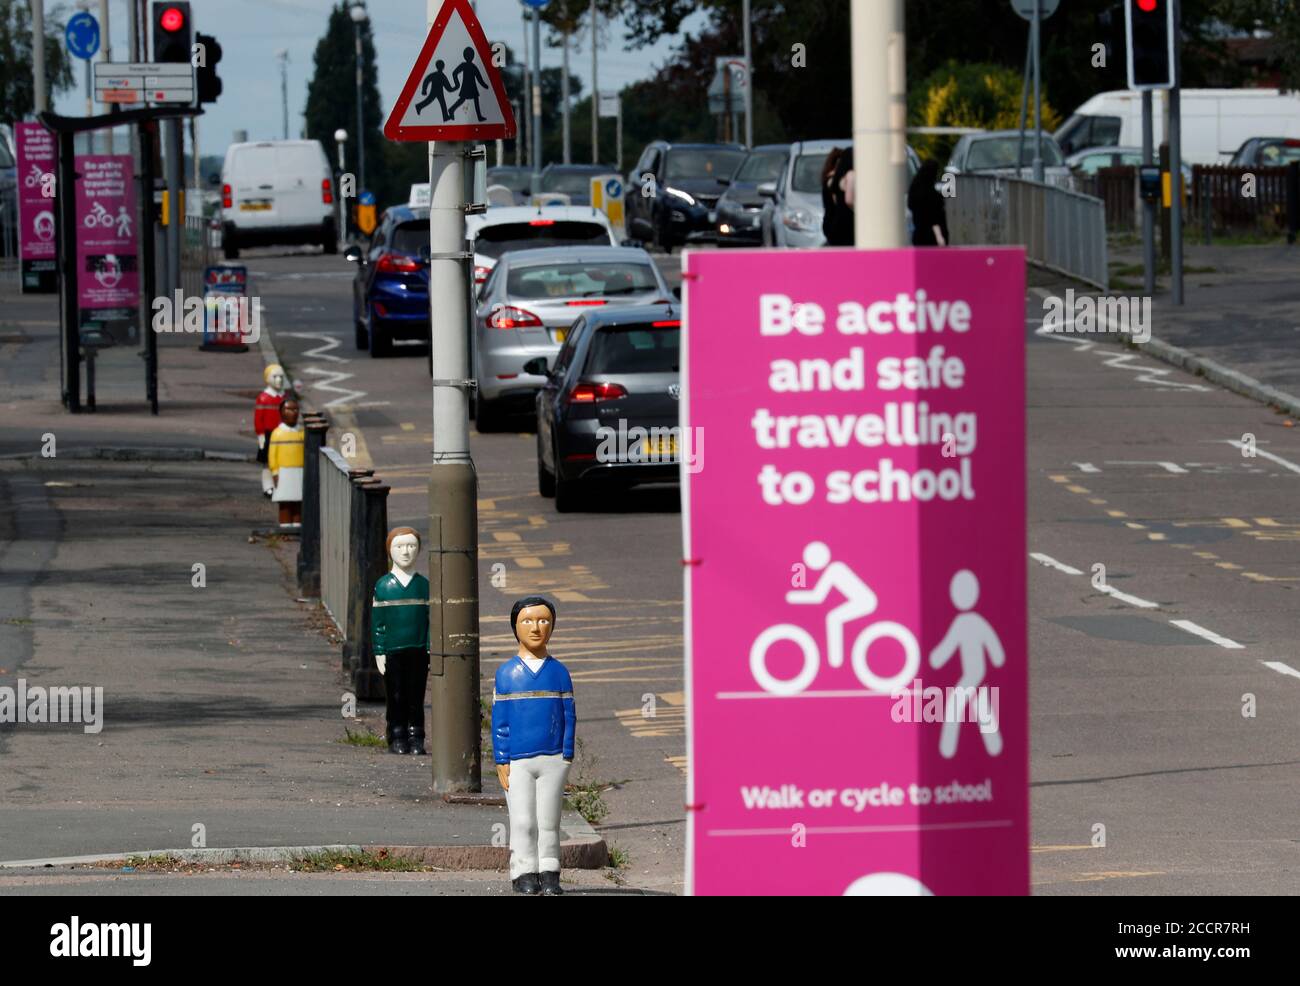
[{"x": 328, "y": 378}]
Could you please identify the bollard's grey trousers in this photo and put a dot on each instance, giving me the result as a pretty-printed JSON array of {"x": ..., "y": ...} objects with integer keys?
[{"x": 535, "y": 797}]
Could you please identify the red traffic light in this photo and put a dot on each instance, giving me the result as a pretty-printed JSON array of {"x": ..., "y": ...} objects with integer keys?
[
  {"x": 173, "y": 19},
  {"x": 1147, "y": 5}
]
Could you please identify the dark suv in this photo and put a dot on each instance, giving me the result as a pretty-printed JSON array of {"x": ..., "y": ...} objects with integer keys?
[{"x": 672, "y": 193}]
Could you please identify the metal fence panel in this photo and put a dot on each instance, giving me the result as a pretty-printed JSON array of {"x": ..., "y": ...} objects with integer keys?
[
  {"x": 1060, "y": 230},
  {"x": 10, "y": 268},
  {"x": 335, "y": 535}
]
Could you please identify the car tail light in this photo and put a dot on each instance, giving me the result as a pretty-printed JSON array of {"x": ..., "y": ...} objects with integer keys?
[
  {"x": 668, "y": 323},
  {"x": 588, "y": 301},
  {"x": 395, "y": 263},
  {"x": 481, "y": 274},
  {"x": 225, "y": 197},
  {"x": 326, "y": 192},
  {"x": 1291, "y": 142},
  {"x": 510, "y": 317},
  {"x": 594, "y": 393},
  {"x": 380, "y": 309},
  {"x": 541, "y": 222}
]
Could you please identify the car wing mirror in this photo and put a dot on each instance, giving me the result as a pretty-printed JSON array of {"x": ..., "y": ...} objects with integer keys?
[
  {"x": 677, "y": 292},
  {"x": 353, "y": 255},
  {"x": 767, "y": 189}
]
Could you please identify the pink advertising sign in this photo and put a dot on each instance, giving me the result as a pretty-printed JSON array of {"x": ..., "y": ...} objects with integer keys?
[
  {"x": 108, "y": 283},
  {"x": 855, "y": 572},
  {"x": 37, "y": 214}
]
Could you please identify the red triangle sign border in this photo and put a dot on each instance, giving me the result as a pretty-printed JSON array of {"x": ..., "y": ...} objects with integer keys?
[{"x": 393, "y": 128}]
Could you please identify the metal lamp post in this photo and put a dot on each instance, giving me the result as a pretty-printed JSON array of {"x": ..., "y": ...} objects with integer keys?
[
  {"x": 341, "y": 138},
  {"x": 359, "y": 17}
]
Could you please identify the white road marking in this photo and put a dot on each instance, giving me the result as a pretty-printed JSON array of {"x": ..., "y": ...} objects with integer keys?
[
  {"x": 1146, "y": 374},
  {"x": 1053, "y": 563},
  {"x": 1285, "y": 463},
  {"x": 1281, "y": 668},
  {"x": 1109, "y": 590},
  {"x": 1124, "y": 597},
  {"x": 1087, "y": 467},
  {"x": 1173, "y": 467},
  {"x": 1209, "y": 635},
  {"x": 330, "y": 377}
]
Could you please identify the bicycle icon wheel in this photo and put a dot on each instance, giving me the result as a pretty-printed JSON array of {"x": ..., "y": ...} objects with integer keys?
[
  {"x": 758, "y": 659},
  {"x": 911, "y": 656}
]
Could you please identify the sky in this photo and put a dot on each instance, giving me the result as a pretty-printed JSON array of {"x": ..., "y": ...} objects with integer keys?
[{"x": 252, "y": 31}]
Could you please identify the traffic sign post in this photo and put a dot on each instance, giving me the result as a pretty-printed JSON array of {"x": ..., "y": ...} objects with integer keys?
[
  {"x": 1034, "y": 11},
  {"x": 453, "y": 94},
  {"x": 151, "y": 83}
]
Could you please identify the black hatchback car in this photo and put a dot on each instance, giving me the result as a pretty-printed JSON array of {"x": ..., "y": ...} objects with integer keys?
[
  {"x": 740, "y": 208},
  {"x": 608, "y": 413},
  {"x": 672, "y": 194}
]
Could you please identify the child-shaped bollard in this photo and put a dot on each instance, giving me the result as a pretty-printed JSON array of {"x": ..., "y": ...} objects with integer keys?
[
  {"x": 266, "y": 418},
  {"x": 533, "y": 730},
  {"x": 399, "y": 631}
]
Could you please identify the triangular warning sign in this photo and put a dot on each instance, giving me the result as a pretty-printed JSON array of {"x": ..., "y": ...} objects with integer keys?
[{"x": 454, "y": 92}]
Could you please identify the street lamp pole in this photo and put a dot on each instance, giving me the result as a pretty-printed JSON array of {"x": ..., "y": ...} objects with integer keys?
[
  {"x": 341, "y": 138},
  {"x": 359, "y": 17}
]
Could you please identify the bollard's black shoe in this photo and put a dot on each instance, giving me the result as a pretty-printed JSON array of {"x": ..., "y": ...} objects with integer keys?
[
  {"x": 398, "y": 743},
  {"x": 526, "y": 883},
  {"x": 415, "y": 741},
  {"x": 551, "y": 884}
]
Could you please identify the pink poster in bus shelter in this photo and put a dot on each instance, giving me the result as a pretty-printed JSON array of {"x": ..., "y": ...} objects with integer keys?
[
  {"x": 854, "y": 527},
  {"x": 108, "y": 281}
]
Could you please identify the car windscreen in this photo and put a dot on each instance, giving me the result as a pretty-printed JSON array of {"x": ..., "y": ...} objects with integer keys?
[
  {"x": 1000, "y": 152},
  {"x": 580, "y": 280},
  {"x": 568, "y": 182},
  {"x": 808, "y": 172},
  {"x": 493, "y": 241},
  {"x": 701, "y": 163},
  {"x": 516, "y": 181},
  {"x": 761, "y": 166},
  {"x": 409, "y": 238},
  {"x": 635, "y": 348}
]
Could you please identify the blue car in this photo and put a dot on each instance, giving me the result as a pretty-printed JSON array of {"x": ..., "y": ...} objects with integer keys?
[{"x": 390, "y": 293}]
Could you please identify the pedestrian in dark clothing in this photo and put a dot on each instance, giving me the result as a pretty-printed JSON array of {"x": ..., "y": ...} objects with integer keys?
[
  {"x": 837, "y": 197},
  {"x": 929, "y": 222}
]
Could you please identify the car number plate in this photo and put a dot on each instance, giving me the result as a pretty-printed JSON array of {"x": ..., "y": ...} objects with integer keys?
[
  {"x": 560, "y": 334},
  {"x": 713, "y": 215},
  {"x": 254, "y": 206},
  {"x": 664, "y": 447}
]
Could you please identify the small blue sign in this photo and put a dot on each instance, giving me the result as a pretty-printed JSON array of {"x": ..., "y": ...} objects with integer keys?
[
  {"x": 535, "y": 4},
  {"x": 82, "y": 35},
  {"x": 614, "y": 188}
]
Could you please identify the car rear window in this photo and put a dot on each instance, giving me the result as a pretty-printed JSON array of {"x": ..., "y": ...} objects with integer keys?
[
  {"x": 568, "y": 182},
  {"x": 635, "y": 348},
  {"x": 762, "y": 166},
  {"x": 1000, "y": 152},
  {"x": 493, "y": 241},
  {"x": 579, "y": 280},
  {"x": 409, "y": 237},
  {"x": 1278, "y": 153}
]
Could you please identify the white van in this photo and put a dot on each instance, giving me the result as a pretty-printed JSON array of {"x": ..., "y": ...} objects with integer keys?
[
  {"x": 277, "y": 192},
  {"x": 1215, "y": 122}
]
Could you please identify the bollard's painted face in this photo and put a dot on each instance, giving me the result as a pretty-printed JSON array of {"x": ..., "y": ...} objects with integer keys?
[
  {"x": 534, "y": 627},
  {"x": 289, "y": 413},
  {"x": 277, "y": 381},
  {"x": 403, "y": 550}
]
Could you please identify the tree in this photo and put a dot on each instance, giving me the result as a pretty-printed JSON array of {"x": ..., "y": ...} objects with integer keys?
[
  {"x": 17, "y": 89},
  {"x": 969, "y": 95},
  {"x": 332, "y": 102}
]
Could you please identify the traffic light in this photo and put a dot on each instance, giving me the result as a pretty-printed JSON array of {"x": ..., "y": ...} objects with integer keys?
[
  {"x": 206, "y": 80},
  {"x": 1151, "y": 28},
  {"x": 172, "y": 32}
]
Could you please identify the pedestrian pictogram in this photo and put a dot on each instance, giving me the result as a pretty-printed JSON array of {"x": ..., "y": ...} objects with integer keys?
[{"x": 454, "y": 92}]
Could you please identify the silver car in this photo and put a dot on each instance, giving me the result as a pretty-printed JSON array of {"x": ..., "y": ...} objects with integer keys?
[
  {"x": 527, "y": 305},
  {"x": 792, "y": 217},
  {"x": 993, "y": 152}
]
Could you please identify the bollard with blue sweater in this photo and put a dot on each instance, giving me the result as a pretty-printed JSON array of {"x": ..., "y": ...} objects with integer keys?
[
  {"x": 533, "y": 729},
  {"x": 399, "y": 631}
]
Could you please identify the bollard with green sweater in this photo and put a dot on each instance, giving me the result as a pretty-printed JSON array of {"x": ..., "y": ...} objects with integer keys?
[{"x": 399, "y": 630}]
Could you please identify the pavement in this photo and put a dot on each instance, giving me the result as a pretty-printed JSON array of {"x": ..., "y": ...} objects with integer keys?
[
  {"x": 223, "y": 698},
  {"x": 1165, "y": 684}
]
